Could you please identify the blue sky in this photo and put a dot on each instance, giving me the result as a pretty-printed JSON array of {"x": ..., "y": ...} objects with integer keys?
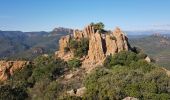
[{"x": 44, "y": 15}]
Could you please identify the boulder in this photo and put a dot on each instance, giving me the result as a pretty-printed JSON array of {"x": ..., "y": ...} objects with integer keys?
[{"x": 148, "y": 59}]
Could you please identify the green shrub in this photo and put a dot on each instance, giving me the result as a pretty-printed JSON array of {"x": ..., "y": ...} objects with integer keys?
[
  {"x": 74, "y": 63},
  {"x": 143, "y": 65},
  {"x": 79, "y": 48},
  {"x": 98, "y": 26},
  {"x": 113, "y": 38},
  {"x": 45, "y": 89},
  {"x": 141, "y": 55},
  {"x": 127, "y": 74},
  {"x": 123, "y": 58},
  {"x": 20, "y": 78},
  {"x": 47, "y": 67},
  {"x": 73, "y": 44},
  {"x": 120, "y": 82},
  {"x": 9, "y": 93}
]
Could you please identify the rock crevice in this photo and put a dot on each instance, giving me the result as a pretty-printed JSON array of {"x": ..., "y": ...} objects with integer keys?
[{"x": 7, "y": 68}]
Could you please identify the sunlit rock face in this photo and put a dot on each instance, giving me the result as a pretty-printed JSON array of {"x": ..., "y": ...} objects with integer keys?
[
  {"x": 7, "y": 68},
  {"x": 101, "y": 44}
]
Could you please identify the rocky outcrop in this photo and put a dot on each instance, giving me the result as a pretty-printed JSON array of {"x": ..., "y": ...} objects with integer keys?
[
  {"x": 63, "y": 44},
  {"x": 86, "y": 33},
  {"x": 121, "y": 40},
  {"x": 7, "y": 68},
  {"x": 111, "y": 45},
  {"x": 96, "y": 50},
  {"x": 101, "y": 44},
  {"x": 78, "y": 34},
  {"x": 89, "y": 31}
]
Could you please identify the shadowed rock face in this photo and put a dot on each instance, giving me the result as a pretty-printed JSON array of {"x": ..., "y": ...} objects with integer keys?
[
  {"x": 121, "y": 40},
  {"x": 101, "y": 44},
  {"x": 7, "y": 68}
]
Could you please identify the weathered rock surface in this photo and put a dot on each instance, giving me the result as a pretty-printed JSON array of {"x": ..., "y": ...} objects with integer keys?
[
  {"x": 101, "y": 44},
  {"x": 7, "y": 68},
  {"x": 121, "y": 40},
  {"x": 111, "y": 45},
  {"x": 64, "y": 43},
  {"x": 96, "y": 50}
]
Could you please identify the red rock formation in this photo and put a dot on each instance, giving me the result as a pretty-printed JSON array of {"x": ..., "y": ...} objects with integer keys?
[
  {"x": 96, "y": 50},
  {"x": 111, "y": 45},
  {"x": 101, "y": 44},
  {"x": 64, "y": 43},
  {"x": 78, "y": 34},
  {"x": 7, "y": 68},
  {"x": 121, "y": 40}
]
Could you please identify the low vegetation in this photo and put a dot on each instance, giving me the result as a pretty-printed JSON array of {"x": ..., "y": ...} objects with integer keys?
[
  {"x": 127, "y": 74},
  {"x": 98, "y": 26},
  {"x": 124, "y": 74},
  {"x": 36, "y": 81},
  {"x": 74, "y": 63},
  {"x": 79, "y": 48}
]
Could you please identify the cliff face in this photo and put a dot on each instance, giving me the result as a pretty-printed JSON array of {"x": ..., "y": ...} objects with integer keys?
[
  {"x": 101, "y": 44},
  {"x": 7, "y": 68}
]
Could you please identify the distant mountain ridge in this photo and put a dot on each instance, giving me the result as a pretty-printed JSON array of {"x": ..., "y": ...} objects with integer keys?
[
  {"x": 61, "y": 30},
  {"x": 148, "y": 32},
  {"x": 25, "y": 44},
  {"x": 156, "y": 45}
]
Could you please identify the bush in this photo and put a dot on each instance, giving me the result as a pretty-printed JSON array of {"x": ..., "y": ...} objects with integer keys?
[
  {"x": 47, "y": 67},
  {"x": 73, "y": 44},
  {"x": 80, "y": 48},
  {"x": 45, "y": 89},
  {"x": 20, "y": 78},
  {"x": 113, "y": 38},
  {"x": 98, "y": 26},
  {"x": 120, "y": 82},
  {"x": 123, "y": 58},
  {"x": 74, "y": 63},
  {"x": 127, "y": 74},
  {"x": 9, "y": 93},
  {"x": 143, "y": 65}
]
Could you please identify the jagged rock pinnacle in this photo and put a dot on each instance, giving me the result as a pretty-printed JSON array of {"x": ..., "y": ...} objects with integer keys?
[{"x": 100, "y": 44}]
